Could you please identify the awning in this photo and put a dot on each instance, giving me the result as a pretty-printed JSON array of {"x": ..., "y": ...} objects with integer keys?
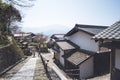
[
  {"x": 65, "y": 45},
  {"x": 78, "y": 57}
]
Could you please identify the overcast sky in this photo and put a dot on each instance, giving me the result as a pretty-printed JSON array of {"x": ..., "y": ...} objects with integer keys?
[{"x": 70, "y": 12}]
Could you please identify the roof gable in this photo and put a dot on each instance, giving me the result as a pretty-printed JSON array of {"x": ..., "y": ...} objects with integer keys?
[{"x": 90, "y": 29}]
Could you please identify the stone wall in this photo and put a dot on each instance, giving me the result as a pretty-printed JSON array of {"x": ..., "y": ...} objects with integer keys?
[{"x": 8, "y": 56}]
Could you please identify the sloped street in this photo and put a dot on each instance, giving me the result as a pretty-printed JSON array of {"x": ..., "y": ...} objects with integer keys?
[{"x": 29, "y": 69}]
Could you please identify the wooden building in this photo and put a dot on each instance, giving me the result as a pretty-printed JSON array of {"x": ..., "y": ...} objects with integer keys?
[
  {"x": 24, "y": 36},
  {"x": 63, "y": 48},
  {"x": 89, "y": 54},
  {"x": 110, "y": 38},
  {"x": 57, "y": 36},
  {"x": 81, "y": 64},
  {"x": 54, "y": 38}
]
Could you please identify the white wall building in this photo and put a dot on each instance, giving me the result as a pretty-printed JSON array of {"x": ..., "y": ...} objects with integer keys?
[{"x": 82, "y": 35}]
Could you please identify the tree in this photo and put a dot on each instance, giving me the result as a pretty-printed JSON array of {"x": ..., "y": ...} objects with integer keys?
[
  {"x": 42, "y": 41},
  {"x": 21, "y": 3},
  {"x": 8, "y": 16},
  {"x": 15, "y": 27},
  {"x": 41, "y": 38}
]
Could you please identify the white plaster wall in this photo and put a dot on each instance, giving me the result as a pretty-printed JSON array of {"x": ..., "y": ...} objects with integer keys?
[
  {"x": 84, "y": 40},
  {"x": 61, "y": 58},
  {"x": 87, "y": 69},
  {"x": 117, "y": 58}
]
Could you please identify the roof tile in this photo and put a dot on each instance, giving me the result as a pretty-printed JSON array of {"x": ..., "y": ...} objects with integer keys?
[
  {"x": 65, "y": 45},
  {"x": 112, "y": 32},
  {"x": 78, "y": 57}
]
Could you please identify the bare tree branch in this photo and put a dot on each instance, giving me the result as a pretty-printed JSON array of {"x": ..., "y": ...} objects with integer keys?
[{"x": 21, "y": 3}]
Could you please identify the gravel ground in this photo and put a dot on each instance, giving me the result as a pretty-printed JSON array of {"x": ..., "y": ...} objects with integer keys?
[
  {"x": 49, "y": 56},
  {"x": 53, "y": 74},
  {"x": 40, "y": 73},
  {"x": 104, "y": 77}
]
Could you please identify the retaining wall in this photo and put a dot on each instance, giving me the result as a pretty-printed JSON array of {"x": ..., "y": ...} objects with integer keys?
[{"x": 8, "y": 57}]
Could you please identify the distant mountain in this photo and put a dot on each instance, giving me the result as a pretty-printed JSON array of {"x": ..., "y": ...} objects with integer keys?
[
  {"x": 55, "y": 29},
  {"x": 49, "y": 30}
]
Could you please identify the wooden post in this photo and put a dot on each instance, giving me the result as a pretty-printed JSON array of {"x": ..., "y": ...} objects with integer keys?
[{"x": 112, "y": 63}]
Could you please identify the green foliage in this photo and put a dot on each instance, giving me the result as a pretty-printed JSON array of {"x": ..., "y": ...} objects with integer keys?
[
  {"x": 16, "y": 48},
  {"x": 34, "y": 44},
  {"x": 8, "y": 15},
  {"x": 4, "y": 43}
]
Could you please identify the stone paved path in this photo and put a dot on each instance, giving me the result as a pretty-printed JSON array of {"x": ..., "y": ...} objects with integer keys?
[
  {"x": 13, "y": 71},
  {"x": 27, "y": 71},
  {"x": 30, "y": 69}
]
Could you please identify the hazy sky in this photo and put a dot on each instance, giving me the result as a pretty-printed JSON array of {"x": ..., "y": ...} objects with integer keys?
[{"x": 70, "y": 12}]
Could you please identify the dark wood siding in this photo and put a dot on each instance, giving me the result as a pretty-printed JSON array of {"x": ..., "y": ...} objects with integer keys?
[
  {"x": 101, "y": 63},
  {"x": 57, "y": 56},
  {"x": 112, "y": 64},
  {"x": 116, "y": 74},
  {"x": 72, "y": 70},
  {"x": 69, "y": 65}
]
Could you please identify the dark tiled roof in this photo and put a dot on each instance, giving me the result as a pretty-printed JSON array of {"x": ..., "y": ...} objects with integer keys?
[
  {"x": 64, "y": 45},
  {"x": 111, "y": 33},
  {"x": 73, "y": 44},
  {"x": 78, "y": 57},
  {"x": 21, "y": 35},
  {"x": 57, "y": 36},
  {"x": 90, "y": 29}
]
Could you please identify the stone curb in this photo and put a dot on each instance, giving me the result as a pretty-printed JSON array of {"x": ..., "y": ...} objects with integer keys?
[{"x": 10, "y": 67}]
